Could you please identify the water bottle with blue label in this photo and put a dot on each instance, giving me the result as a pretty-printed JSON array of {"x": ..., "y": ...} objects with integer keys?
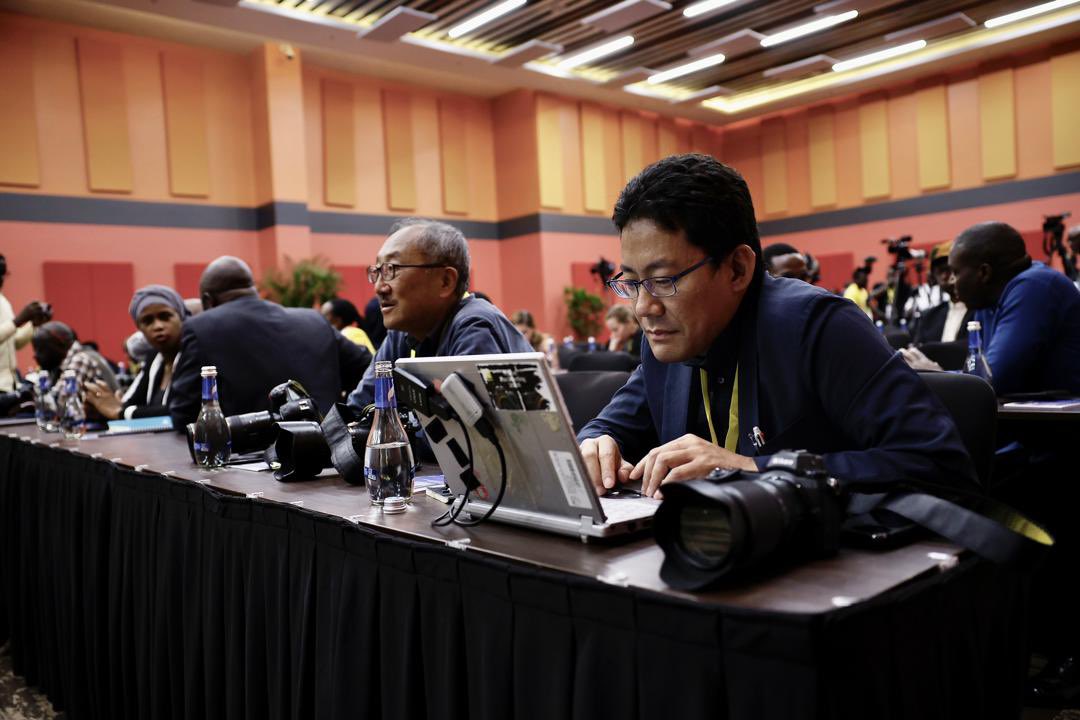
[
  {"x": 975, "y": 363},
  {"x": 45, "y": 411},
  {"x": 388, "y": 458},
  {"x": 212, "y": 442},
  {"x": 72, "y": 410}
]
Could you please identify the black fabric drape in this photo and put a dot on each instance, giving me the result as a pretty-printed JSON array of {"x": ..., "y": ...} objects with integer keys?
[{"x": 135, "y": 595}]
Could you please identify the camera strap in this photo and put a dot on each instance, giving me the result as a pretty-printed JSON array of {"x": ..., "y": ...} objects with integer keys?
[
  {"x": 344, "y": 458},
  {"x": 993, "y": 531}
]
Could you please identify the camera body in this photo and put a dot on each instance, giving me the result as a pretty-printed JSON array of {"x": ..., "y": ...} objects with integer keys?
[
  {"x": 901, "y": 248},
  {"x": 731, "y": 522}
]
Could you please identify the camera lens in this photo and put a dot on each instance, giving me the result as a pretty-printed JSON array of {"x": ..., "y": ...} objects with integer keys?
[{"x": 705, "y": 534}]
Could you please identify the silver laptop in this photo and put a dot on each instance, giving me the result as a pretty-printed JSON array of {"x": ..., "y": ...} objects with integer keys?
[{"x": 547, "y": 486}]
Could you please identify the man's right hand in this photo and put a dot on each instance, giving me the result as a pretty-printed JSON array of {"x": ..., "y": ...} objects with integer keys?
[
  {"x": 35, "y": 312},
  {"x": 604, "y": 463}
]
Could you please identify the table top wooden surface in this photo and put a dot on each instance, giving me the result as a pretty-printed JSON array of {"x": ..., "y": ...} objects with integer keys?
[{"x": 816, "y": 587}]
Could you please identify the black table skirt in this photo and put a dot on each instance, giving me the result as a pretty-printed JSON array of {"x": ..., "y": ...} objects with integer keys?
[{"x": 135, "y": 595}]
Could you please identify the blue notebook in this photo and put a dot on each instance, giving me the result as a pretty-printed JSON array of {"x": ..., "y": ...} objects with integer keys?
[{"x": 140, "y": 425}]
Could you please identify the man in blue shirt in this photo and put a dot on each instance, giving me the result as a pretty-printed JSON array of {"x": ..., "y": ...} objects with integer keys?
[
  {"x": 421, "y": 275},
  {"x": 1030, "y": 313},
  {"x": 739, "y": 365}
]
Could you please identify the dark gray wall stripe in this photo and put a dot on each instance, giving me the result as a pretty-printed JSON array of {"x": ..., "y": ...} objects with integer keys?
[
  {"x": 928, "y": 204},
  {"x": 106, "y": 211},
  {"x": 110, "y": 211}
]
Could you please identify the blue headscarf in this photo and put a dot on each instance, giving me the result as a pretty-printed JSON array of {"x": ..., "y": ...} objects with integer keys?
[{"x": 156, "y": 295}]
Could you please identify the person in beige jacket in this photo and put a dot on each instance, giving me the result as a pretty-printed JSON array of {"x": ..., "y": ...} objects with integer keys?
[{"x": 15, "y": 330}]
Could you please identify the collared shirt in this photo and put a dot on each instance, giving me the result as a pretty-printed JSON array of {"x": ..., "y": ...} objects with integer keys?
[
  {"x": 954, "y": 321},
  {"x": 88, "y": 366},
  {"x": 11, "y": 339},
  {"x": 473, "y": 327}
]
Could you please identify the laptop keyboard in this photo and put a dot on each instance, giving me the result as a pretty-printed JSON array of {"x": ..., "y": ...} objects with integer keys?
[{"x": 620, "y": 509}]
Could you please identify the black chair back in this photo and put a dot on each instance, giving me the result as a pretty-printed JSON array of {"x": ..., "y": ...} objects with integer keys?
[
  {"x": 602, "y": 360},
  {"x": 566, "y": 354},
  {"x": 587, "y": 393},
  {"x": 897, "y": 337},
  {"x": 949, "y": 355},
  {"x": 973, "y": 405}
]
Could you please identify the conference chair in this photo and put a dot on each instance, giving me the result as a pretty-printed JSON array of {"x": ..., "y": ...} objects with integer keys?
[
  {"x": 586, "y": 393},
  {"x": 949, "y": 355},
  {"x": 973, "y": 406},
  {"x": 897, "y": 337},
  {"x": 602, "y": 360}
]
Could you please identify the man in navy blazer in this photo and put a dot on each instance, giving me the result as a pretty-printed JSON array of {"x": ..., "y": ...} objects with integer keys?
[{"x": 739, "y": 365}]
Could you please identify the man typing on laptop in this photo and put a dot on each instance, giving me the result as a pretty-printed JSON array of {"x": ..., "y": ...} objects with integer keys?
[{"x": 739, "y": 365}]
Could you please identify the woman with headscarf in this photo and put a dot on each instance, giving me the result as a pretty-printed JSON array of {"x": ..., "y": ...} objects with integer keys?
[{"x": 158, "y": 312}]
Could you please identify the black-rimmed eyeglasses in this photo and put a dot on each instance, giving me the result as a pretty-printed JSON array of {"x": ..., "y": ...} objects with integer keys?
[
  {"x": 662, "y": 286},
  {"x": 388, "y": 271}
]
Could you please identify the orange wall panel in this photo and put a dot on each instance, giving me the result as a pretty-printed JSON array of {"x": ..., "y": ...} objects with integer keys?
[
  {"x": 798, "y": 155},
  {"x": 614, "y": 178},
  {"x": 518, "y": 188},
  {"x": 964, "y": 136},
  {"x": 549, "y": 151},
  {"x": 570, "y": 129},
  {"x": 1065, "y": 108},
  {"x": 848, "y": 155},
  {"x": 633, "y": 151},
  {"x": 425, "y": 117},
  {"x": 452, "y": 142},
  {"x": 821, "y": 132},
  {"x": 903, "y": 138},
  {"x": 480, "y": 156},
  {"x": 593, "y": 160},
  {"x": 997, "y": 124},
  {"x": 339, "y": 159},
  {"x": 19, "y": 140},
  {"x": 667, "y": 140},
  {"x": 774, "y": 166},
  {"x": 874, "y": 149},
  {"x": 185, "y": 124},
  {"x": 932, "y": 137},
  {"x": 1034, "y": 131},
  {"x": 400, "y": 164},
  {"x": 104, "y": 113},
  {"x": 742, "y": 151}
]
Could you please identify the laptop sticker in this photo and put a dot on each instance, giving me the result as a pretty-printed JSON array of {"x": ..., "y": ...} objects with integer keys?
[
  {"x": 573, "y": 485},
  {"x": 516, "y": 386}
]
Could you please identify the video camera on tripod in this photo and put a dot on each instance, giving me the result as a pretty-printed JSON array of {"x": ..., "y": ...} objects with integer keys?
[{"x": 1053, "y": 235}]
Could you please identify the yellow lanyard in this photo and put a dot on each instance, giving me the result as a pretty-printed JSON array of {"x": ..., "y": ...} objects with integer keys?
[
  {"x": 731, "y": 440},
  {"x": 412, "y": 353}
]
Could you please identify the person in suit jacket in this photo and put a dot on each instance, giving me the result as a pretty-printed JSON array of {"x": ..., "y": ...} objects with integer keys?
[
  {"x": 739, "y": 365},
  {"x": 158, "y": 312},
  {"x": 946, "y": 321},
  {"x": 255, "y": 345}
]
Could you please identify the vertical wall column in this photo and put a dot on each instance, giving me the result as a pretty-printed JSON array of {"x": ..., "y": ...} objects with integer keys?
[{"x": 280, "y": 160}]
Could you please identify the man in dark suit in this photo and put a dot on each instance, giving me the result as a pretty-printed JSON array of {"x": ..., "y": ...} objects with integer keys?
[
  {"x": 256, "y": 344},
  {"x": 739, "y": 364}
]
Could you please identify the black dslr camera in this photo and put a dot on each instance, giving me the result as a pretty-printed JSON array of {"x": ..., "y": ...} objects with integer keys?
[
  {"x": 256, "y": 431},
  {"x": 901, "y": 248},
  {"x": 730, "y": 522}
]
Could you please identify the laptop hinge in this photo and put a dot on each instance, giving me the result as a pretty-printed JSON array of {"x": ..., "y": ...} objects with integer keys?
[{"x": 586, "y": 523}]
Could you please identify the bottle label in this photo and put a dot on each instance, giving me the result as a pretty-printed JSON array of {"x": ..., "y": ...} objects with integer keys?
[
  {"x": 209, "y": 389},
  {"x": 384, "y": 393}
]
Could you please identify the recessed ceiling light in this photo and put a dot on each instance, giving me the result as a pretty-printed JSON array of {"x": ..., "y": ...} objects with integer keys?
[
  {"x": 700, "y": 8},
  {"x": 628, "y": 12},
  {"x": 686, "y": 69},
  {"x": 1028, "y": 12},
  {"x": 483, "y": 18},
  {"x": 811, "y": 27},
  {"x": 595, "y": 53},
  {"x": 871, "y": 58}
]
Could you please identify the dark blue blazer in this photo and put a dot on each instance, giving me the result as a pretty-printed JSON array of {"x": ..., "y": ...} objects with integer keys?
[{"x": 814, "y": 374}]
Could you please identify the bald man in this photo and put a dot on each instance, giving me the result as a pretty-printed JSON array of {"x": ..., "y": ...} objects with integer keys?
[
  {"x": 1030, "y": 314},
  {"x": 256, "y": 344}
]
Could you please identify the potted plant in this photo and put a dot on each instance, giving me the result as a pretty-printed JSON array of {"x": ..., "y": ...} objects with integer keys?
[
  {"x": 584, "y": 312},
  {"x": 306, "y": 283}
]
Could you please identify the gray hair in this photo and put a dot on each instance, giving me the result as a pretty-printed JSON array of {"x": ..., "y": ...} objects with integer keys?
[{"x": 441, "y": 243}]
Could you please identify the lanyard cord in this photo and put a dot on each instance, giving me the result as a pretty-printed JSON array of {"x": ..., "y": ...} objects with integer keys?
[{"x": 731, "y": 439}]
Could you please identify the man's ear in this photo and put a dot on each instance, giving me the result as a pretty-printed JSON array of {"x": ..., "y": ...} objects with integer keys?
[
  {"x": 985, "y": 274},
  {"x": 448, "y": 281},
  {"x": 743, "y": 263},
  {"x": 207, "y": 300}
]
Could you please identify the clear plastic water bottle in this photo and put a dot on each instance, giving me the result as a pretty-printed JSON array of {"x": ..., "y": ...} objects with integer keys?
[
  {"x": 45, "y": 404},
  {"x": 212, "y": 442},
  {"x": 72, "y": 410},
  {"x": 592, "y": 344},
  {"x": 551, "y": 352},
  {"x": 880, "y": 327},
  {"x": 123, "y": 377},
  {"x": 975, "y": 363},
  {"x": 903, "y": 323},
  {"x": 388, "y": 458},
  {"x": 568, "y": 342}
]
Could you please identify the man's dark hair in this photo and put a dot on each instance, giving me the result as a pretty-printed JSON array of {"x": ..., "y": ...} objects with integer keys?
[
  {"x": 697, "y": 194},
  {"x": 994, "y": 243},
  {"x": 776, "y": 250},
  {"x": 345, "y": 310},
  {"x": 3, "y": 266}
]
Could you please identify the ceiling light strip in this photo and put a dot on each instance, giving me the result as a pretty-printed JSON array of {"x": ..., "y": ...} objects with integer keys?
[
  {"x": 700, "y": 8},
  {"x": 483, "y": 18},
  {"x": 691, "y": 67},
  {"x": 595, "y": 53},
  {"x": 871, "y": 58},
  {"x": 1028, "y": 12},
  {"x": 808, "y": 28}
]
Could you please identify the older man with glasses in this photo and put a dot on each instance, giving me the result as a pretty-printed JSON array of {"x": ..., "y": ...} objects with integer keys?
[
  {"x": 739, "y": 364},
  {"x": 421, "y": 276}
]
